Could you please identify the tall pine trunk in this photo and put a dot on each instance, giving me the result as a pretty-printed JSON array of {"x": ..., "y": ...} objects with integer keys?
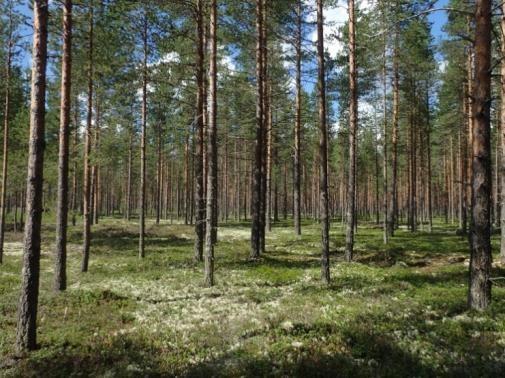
[
  {"x": 211, "y": 151},
  {"x": 26, "y": 336},
  {"x": 298, "y": 122},
  {"x": 86, "y": 202},
  {"x": 353, "y": 128},
  {"x": 5, "y": 160},
  {"x": 142, "y": 201},
  {"x": 480, "y": 262},
  {"x": 393, "y": 209},
  {"x": 323, "y": 150},
  {"x": 60, "y": 278},
  {"x": 385, "y": 144},
  {"x": 200, "y": 138},
  {"x": 258, "y": 146},
  {"x": 502, "y": 140}
]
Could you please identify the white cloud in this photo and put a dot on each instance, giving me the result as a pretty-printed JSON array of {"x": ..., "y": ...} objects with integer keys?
[
  {"x": 229, "y": 63},
  {"x": 171, "y": 57},
  {"x": 334, "y": 17}
]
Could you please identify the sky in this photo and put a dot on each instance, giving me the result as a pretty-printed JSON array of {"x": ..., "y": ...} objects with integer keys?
[{"x": 334, "y": 17}]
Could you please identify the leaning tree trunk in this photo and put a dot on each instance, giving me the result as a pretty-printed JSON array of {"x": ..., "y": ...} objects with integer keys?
[
  {"x": 353, "y": 128},
  {"x": 480, "y": 262},
  {"x": 298, "y": 122},
  {"x": 323, "y": 150},
  {"x": 26, "y": 336},
  {"x": 60, "y": 278},
  {"x": 258, "y": 150},
  {"x": 211, "y": 152},
  {"x": 86, "y": 204},
  {"x": 3, "y": 193}
]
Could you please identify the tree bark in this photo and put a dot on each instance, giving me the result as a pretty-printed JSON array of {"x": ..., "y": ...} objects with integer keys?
[
  {"x": 480, "y": 262},
  {"x": 200, "y": 159},
  {"x": 393, "y": 209},
  {"x": 323, "y": 150},
  {"x": 159, "y": 178},
  {"x": 502, "y": 140},
  {"x": 258, "y": 149},
  {"x": 142, "y": 205},
  {"x": 87, "y": 150},
  {"x": 385, "y": 144},
  {"x": 5, "y": 160},
  {"x": 211, "y": 152},
  {"x": 298, "y": 122},
  {"x": 26, "y": 336},
  {"x": 353, "y": 128},
  {"x": 60, "y": 278}
]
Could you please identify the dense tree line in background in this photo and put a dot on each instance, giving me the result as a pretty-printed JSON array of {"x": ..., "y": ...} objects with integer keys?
[{"x": 205, "y": 111}]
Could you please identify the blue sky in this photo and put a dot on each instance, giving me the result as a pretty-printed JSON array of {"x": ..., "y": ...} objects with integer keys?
[{"x": 439, "y": 19}]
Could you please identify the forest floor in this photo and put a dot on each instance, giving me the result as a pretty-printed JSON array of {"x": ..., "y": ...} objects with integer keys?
[{"x": 397, "y": 311}]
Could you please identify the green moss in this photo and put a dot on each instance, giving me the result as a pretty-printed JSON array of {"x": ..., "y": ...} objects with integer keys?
[{"x": 398, "y": 310}]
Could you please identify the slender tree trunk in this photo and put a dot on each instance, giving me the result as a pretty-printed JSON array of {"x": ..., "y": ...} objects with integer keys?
[
  {"x": 264, "y": 142},
  {"x": 428, "y": 147},
  {"x": 159, "y": 178},
  {"x": 60, "y": 279},
  {"x": 95, "y": 181},
  {"x": 26, "y": 336},
  {"x": 385, "y": 144},
  {"x": 5, "y": 159},
  {"x": 211, "y": 151},
  {"x": 142, "y": 210},
  {"x": 298, "y": 122},
  {"x": 463, "y": 163},
  {"x": 74, "y": 169},
  {"x": 502, "y": 140},
  {"x": 480, "y": 262},
  {"x": 268, "y": 194},
  {"x": 353, "y": 128},
  {"x": 393, "y": 209},
  {"x": 86, "y": 203},
  {"x": 129, "y": 178},
  {"x": 258, "y": 150},
  {"x": 323, "y": 150},
  {"x": 200, "y": 159}
]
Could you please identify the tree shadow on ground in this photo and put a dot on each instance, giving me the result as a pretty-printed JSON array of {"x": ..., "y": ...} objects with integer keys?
[
  {"x": 125, "y": 239},
  {"x": 356, "y": 351}
]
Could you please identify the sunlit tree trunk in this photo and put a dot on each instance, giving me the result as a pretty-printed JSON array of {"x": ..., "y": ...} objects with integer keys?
[
  {"x": 26, "y": 336},
  {"x": 5, "y": 156},
  {"x": 60, "y": 279},
  {"x": 211, "y": 151},
  {"x": 323, "y": 150},
  {"x": 480, "y": 262},
  {"x": 298, "y": 122},
  {"x": 86, "y": 202},
  {"x": 353, "y": 128}
]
